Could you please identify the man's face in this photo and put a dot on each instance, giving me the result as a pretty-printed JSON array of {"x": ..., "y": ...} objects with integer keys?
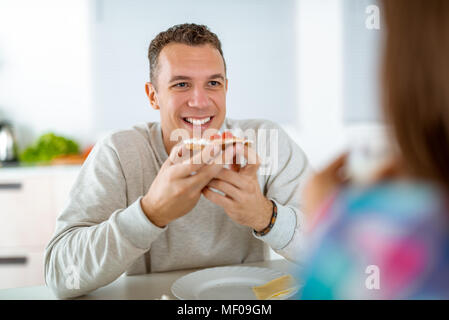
[{"x": 191, "y": 88}]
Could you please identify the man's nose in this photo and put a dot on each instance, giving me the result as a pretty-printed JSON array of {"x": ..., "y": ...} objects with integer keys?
[{"x": 199, "y": 98}]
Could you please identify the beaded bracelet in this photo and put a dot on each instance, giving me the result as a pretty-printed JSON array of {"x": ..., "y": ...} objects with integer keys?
[{"x": 272, "y": 221}]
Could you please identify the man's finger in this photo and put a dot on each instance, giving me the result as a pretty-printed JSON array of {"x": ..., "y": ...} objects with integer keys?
[
  {"x": 230, "y": 190},
  {"x": 205, "y": 174},
  {"x": 228, "y": 155},
  {"x": 179, "y": 153},
  {"x": 231, "y": 177},
  {"x": 253, "y": 160},
  {"x": 198, "y": 160},
  {"x": 216, "y": 198}
]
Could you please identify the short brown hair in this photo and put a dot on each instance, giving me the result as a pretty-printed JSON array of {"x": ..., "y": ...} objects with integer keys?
[
  {"x": 416, "y": 84},
  {"x": 188, "y": 33}
]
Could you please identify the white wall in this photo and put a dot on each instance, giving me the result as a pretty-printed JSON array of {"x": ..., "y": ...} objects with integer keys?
[
  {"x": 337, "y": 69},
  {"x": 361, "y": 52},
  {"x": 44, "y": 67},
  {"x": 258, "y": 38},
  {"x": 320, "y": 117}
]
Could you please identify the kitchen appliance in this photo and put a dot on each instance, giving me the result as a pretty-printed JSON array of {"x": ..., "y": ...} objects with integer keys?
[{"x": 8, "y": 146}]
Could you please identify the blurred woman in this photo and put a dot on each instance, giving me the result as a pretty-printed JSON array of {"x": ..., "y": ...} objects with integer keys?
[{"x": 390, "y": 240}]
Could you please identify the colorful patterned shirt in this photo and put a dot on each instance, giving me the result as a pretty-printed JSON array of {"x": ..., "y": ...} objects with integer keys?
[{"x": 388, "y": 241}]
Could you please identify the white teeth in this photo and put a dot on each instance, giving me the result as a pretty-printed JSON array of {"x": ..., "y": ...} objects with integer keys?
[{"x": 198, "y": 122}]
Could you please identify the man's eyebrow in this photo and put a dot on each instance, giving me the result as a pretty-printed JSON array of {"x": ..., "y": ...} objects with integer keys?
[
  {"x": 217, "y": 75},
  {"x": 214, "y": 76},
  {"x": 176, "y": 78}
]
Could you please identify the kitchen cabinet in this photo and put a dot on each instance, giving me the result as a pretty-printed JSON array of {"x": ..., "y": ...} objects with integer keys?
[
  {"x": 30, "y": 201},
  {"x": 21, "y": 267},
  {"x": 26, "y": 212}
]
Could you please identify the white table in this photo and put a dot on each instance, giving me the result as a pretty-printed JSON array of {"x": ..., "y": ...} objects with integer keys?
[{"x": 139, "y": 287}]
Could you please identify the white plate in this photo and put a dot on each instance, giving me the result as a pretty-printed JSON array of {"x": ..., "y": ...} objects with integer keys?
[{"x": 224, "y": 283}]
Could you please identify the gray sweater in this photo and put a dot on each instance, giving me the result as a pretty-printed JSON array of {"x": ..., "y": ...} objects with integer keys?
[{"x": 102, "y": 232}]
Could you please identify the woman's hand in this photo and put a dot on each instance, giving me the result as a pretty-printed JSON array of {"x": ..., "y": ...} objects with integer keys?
[{"x": 323, "y": 184}]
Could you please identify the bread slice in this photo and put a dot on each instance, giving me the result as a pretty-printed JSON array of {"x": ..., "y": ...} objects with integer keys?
[
  {"x": 199, "y": 144},
  {"x": 276, "y": 288}
]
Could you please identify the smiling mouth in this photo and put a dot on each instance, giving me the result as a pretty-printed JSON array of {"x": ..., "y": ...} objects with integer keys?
[{"x": 198, "y": 121}]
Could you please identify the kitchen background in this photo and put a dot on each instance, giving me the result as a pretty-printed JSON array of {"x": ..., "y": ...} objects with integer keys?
[{"x": 77, "y": 68}]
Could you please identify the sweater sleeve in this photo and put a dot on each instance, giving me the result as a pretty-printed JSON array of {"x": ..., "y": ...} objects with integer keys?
[
  {"x": 287, "y": 173},
  {"x": 97, "y": 235}
]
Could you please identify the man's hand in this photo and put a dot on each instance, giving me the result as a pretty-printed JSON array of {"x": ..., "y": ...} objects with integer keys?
[
  {"x": 244, "y": 202},
  {"x": 176, "y": 190}
]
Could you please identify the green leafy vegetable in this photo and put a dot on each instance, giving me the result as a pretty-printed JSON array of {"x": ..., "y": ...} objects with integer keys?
[{"x": 47, "y": 147}]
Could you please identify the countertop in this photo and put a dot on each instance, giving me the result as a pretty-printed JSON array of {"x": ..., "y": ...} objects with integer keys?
[{"x": 19, "y": 171}]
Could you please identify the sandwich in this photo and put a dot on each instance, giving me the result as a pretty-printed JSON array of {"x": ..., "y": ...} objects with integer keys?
[{"x": 227, "y": 138}]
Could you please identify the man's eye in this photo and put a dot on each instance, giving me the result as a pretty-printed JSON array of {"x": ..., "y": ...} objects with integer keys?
[
  {"x": 214, "y": 83},
  {"x": 181, "y": 85}
]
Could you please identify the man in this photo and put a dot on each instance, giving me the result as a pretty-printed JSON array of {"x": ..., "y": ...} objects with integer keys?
[{"x": 139, "y": 206}]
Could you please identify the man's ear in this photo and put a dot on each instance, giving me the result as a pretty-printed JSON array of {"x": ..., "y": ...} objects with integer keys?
[
  {"x": 226, "y": 87},
  {"x": 152, "y": 96}
]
